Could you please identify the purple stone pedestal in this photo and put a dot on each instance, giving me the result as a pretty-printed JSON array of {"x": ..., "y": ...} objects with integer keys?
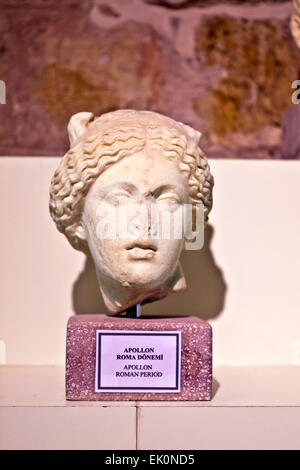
[{"x": 196, "y": 356}]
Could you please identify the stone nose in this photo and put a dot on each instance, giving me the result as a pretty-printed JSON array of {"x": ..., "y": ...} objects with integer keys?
[{"x": 144, "y": 219}]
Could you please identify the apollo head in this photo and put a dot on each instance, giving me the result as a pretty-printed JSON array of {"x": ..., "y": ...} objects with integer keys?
[{"x": 140, "y": 168}]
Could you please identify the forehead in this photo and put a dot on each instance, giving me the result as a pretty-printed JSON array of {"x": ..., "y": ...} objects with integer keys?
[{"x": 144, "y": 170}]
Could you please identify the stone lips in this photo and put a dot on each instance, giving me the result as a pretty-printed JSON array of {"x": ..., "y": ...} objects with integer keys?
[{"x": 196, "y": 361}]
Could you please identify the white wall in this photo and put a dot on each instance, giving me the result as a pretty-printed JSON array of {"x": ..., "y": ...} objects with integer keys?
[{"x": 245, "y": 281}]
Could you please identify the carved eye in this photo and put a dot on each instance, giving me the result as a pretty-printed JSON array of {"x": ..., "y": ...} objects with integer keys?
[
  {"x": 118, "y": 197},
  {"x": 168, "y": 201}
]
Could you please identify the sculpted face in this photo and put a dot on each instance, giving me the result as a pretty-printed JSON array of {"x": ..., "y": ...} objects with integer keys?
[{"x": 142, "y": 263}]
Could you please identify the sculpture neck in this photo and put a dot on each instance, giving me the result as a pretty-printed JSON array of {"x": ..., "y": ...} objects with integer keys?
[{"x": 118, "y": 298}]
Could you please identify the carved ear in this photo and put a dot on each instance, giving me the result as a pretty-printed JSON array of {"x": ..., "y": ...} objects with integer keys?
[{"x": 78, "y": 125}]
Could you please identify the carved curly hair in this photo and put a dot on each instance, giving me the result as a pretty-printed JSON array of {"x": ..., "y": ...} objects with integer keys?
[{"x": 97, "y": 143}]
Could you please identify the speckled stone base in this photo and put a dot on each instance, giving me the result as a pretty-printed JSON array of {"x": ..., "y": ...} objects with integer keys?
[{"x": 196, "y": 358}]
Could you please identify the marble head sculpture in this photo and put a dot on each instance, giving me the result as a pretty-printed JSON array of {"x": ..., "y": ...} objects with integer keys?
[{"x": 125, "y": 158}]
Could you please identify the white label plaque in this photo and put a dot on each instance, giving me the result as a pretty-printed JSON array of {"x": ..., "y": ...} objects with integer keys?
[{"x": 137, "y": 361}]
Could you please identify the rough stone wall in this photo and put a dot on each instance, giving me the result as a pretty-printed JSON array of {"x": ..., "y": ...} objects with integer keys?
[{"x": 225, "y": 68}]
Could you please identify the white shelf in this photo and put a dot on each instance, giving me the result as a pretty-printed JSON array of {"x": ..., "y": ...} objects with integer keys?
[{"x": 252, "y": 408}]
